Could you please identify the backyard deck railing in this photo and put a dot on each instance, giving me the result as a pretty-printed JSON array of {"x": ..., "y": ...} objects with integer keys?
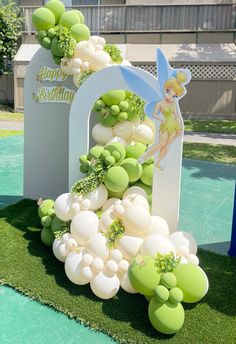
[{"x": 153, "y": 18}]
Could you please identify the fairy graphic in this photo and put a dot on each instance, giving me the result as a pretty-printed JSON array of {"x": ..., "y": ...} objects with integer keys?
[{"x": 161, "y": 104}]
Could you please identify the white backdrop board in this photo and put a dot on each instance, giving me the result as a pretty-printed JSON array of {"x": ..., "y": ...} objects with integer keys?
[{"x": 46, "y": 141}]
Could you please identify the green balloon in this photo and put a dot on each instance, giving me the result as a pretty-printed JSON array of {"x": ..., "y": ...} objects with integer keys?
[
  {"x": 104, "y": 154},
  {"x": 48, "y": 203},
  {"x": 108, "y": 120},
  {"x": 145, "y": 187},
  {"x": 193, "y": 282},
  {"x": 168, "y": 279},
  {"x": 57, "y": 8},
  {"x": 176, "y": 295},
  {"x": 162, "y": 293},
  {"x": 43, "y": 19},
  {"x": 41, "y": 34},
  {"x": 110, "y": 161},
  {"x": 69, "y": 19},
  {"x": 143, "y": 276},
  {"x": 99, "y": 105},
  {"x": 45, "y": 207},
  {"x": 51, "y": 213},
  {"x": 80, "y": 15},
  {"x": 112, "y": 194},
  {"x": 83, "y": 158},
  {"x": 56, "y": 59},
  {"x": 95, "y": 152},
  {"x": 56, "y": 225},
  {"x": 122, "y": 116},
  {"x": 113, "y": 97},
  {"x": 55, "y": 48},
  {"x": 51, "y": 32},
  {"x": 46, "y": 42},
  {"x": 124, "y": 105},
  {"x": 116, "y": 179},
  {"x": 47, "y": 236},
  {"x": 147, "y": 175},
  {"x": 115, "y": 110},
  {"x": 167, "y": 318},
  {"x": 115, "y": 147},
  {"x": 46, "y": 221},
  {"x": 135, "y": 150},
  {"x": 131, "y": 115},
  {"x": 133, "y": 168},
  {"x": 80, "y": 32}
]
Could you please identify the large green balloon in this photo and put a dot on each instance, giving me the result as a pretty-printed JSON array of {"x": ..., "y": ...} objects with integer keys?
[
  {"x": 57, "y": 8},
  {"x": 116, "y": 179},
  {"x": 167, "y": 318},
  {"x": 43, "y": 19},
  {"x": 56, "y": 225},
  {"x": 112, "y": 194},
  {"x": 108, "y": 120},
  {"x": 193, "y": 282},
  {"x": 147, "y": 175},
  {"x": 69, "y": 19},
  {"x": 135, "y": 150},
  {"x": 133, "y": 168},
  {"x": 55, "y": 48},
  {"x": 117, "y": 150},
  {"x": 80, "y": 15},
  {"x": 113, "y": 97},
  {"x": 143, "y": 276},
  {"x": 80, "y": 32},
  {"x": 47, "y": 236}
]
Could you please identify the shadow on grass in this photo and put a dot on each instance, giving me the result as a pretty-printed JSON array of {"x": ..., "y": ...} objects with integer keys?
[{"x": 132, "y": 309}]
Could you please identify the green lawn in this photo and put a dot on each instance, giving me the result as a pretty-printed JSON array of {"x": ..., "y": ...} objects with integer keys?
[
  {"x": 5, "y": 132},
  {"x": 29, "y": 266},
  {"x": 213, "y": 126},
  {"x": 216, "y": 153},
  {"x": 12, "y": 116}
]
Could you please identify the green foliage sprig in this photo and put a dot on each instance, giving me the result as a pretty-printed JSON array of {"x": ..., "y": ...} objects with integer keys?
[
  {"x": 136, "y": 106},
  {"x": 10, "y": 30},
  {"x": 66, "y": 41},
  {"x": 83, "y": 77},
  {"x": 166, "y": 262},
  {"x": 114, "y": 52},
  {"x": 65, "y": 228},
  {"x": 95, "y": 177},
  {"x": 115, "y": 231}
]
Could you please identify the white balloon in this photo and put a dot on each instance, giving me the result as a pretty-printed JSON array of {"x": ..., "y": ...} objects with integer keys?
[
  {"x": 63, "y": 250},
  {"x": 97, "y": 264},
  {"x": 134, "y": 190},
  {"x": 180, "y": 238},
  {"x": 98, "y": 197},
  {"x": 123, "y": 266},
  {"x": 74, "y": 266},
  {"x": 182, "y": 250},
  {"x": 63, "y": 207},
  {"x": 136, "y": 220},
  {"x": 106, "y": 219},
  {"x": 125, "y": 284},
  {"x": 87, "y": 272},
  {"x": 75, "y": 208},
  {"x": 101, "y": 40},
  {"x": 71, "y": 244},
  {"x": 111, "y": 267},
  {"x": 159, "y": 226},
  {"x": 157, "y": 243},
  {"x": 97, "y": 246},
  {"x": 85, "y": 204},
  {"x": 193, "y": 259},
  {"x": 102, "y": 134},
  {"x": 129, "y": 246},
  {"x": 116, "y": 255},
  {"x": 57, "y": 243},
  {"x": 119, "y": 140},
  {"x": 124, "y": 129},
  {"x": 105, "y": 286},
  {"x": 109, "y": 203},
  {"x": 84, "y": 226},
  {"x": 138, "y": 200},
  {"x": 143, "y": 133},
  {"x": 99, "y": 60},
  {"x": 87, "y": 259}
]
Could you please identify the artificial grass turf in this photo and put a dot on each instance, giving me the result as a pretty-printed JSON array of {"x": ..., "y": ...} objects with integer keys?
[
  {"x": 223, "y": 154},
  {"x": 30, "y": 267},
  {"x": 213, "y": 126}
]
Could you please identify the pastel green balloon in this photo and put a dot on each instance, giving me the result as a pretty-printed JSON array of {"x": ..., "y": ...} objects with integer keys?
[
  {"x": 131, "y": 115},
  {"x": 57, "y": 8},
  {"x": 46, "y": 42},
  {"x": 47, "y": 236},
  {"x": 56, "y": 225},
  {"x": 43, "y": 19},
  {"x": 193, "y": 282},
  {"x": 124, "y": 105},
  {"x": 69, "y": 19},
  {"x": 99, "y": 105},
  {"x": 133, "y": 168},
  {"x": 122, "y": 116},
  {"x": 112, "y": 194},
  {"x": 80, "y": 15},
  {"x": 80, "y": 32},
  {"x": 115, "y": 110},
  {"x": 143, "y": 276},
  {"x": 51, "y": 213},
  {"x": 48, "y": 203},
  {"x": 116, "y": 179},
  {"x": 108, "y": 120},
  {"x": 147, "y": 175},
  {"x": 114, "y": 147},
  {"x": 113, "y": 97},
  {"x": 135, "y": 150},
  {"x": 41, "y": 34},
  {"x": 46, "y": 221},
  {"x": 45, "y": 207},
  {"x": 110, "y": 160},
  {"x": 51, "y": 32},
  {"x": 169, "y": 280},
  {"x": 162, "y": 293},
  {"x": 167, "y": 318},
  {"x": 83, "y": 158},
  {"x": 56, "y": 59},
  {"x": 95, "y": 152},
  {"x": 176, "y": 295},
  {"x": 55, "y": 48}
]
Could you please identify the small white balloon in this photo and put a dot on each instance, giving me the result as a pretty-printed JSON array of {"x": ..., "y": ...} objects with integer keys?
[
  {"x": 111, "y": 266},
  {"x": 159, "y": 226},
  {"x": 84, "y": 226},
  {"x": 98, "y": 197},
  {"x": 75, "y": 208},
  {"x": 106, "y": 219},
  {"x": 123, "y": 266},
  {"x": 102, "y": 134},
  {"x": 129, "y": 246},
  {"x": 63, "y": 207},
  {"x": 57, "y": 243},
  {"x": 71, "y": 244},
  {"x": 124, "y": 129},
  {"x": 87, "y": 259},
  {"x": 125, "y": 284},
  {"x": 97, "y": 246},
  {"x": 73, "y": 268},
  {"x": 85, "y": 204},
  {"x": 63, "y": 250},
  {"x": 193, "y": 259},
  {"x": 109, "y": 203},
  {"x": 143, "y": 133},
  {"x": 87, "y": 273},
  {"x": 136, "y": 220},
  {"x": 156, "y": 243},
  {"x": 116, "y": 255},
  {"x": 134, "y": 190},
  {"x": 97, "y": 264},
  {"x": 180, "y": 238},
  {"x": 105, "y": 286}
]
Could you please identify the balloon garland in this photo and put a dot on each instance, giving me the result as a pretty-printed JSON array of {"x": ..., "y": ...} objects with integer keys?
[{"x": 103, "y": 230}]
